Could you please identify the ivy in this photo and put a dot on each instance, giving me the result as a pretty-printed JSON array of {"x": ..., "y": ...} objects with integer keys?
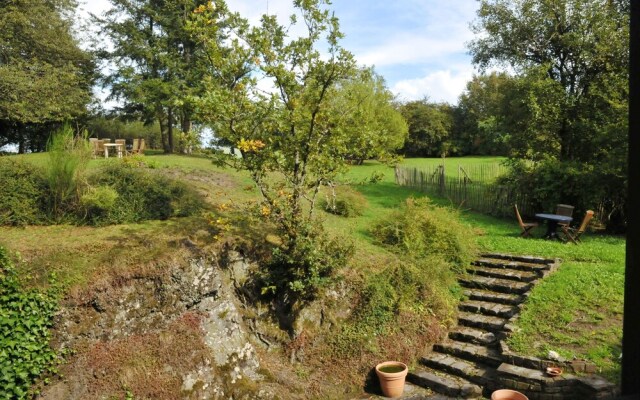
[{"x": 26, "y": 314}]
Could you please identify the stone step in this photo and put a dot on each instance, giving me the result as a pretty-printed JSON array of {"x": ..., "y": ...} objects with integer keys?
[
  {"x": 444, "y": 383},
  {"x": 488, "y": 308},
  {"x": 495, "y": 284},
  {"x": 526, "y": 259},
  {"x": 472, "y": 335},
  {"x": 517, "y": 265},
  {"x": 470, "y": 352},
  {"x": 486, "y": 322},
  {"x": 494, "y": 297},
  {"x": 473, "y": 372},
  {"x": 412, "y": 391},
  {"x": 504, "y": 273}
]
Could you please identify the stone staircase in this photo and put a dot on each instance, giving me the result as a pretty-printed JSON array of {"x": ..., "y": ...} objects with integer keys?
[{"x": 465, "y": 364}]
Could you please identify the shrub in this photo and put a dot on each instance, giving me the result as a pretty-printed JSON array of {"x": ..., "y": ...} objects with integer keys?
[
  {"x": 298, "y": 270},
  {"x": 22, "y": 192},
  {"x": 346, "y": 202},
  {"x": 98, "y": 202},
  {"x": 142, "y": 195},
  {"x": 410, "y": 290},
  {"x": 421, "y": 230},
  {"x": 583, "y": 185},
  {"x": 25, "y": 318}
]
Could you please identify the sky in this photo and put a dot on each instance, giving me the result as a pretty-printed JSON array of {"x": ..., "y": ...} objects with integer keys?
[{"x": 418, "y": 46}]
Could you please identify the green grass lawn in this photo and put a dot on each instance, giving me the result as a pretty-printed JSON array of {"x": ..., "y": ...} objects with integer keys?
[{"x": 576, "y": 312}]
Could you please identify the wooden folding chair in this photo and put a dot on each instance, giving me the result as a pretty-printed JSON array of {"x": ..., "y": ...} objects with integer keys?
[
  {"x": 141, "y": 147},
  {"x": 565, "y": 210},
  {"x": 573, "y": 234},
  {"x": 525, "y": 226},
  {"x": 100, "y": 147},
  {"x": 93, "y": 143},
  {"x": 136, "y": 146},
  {"x": 122, "y": 150}
]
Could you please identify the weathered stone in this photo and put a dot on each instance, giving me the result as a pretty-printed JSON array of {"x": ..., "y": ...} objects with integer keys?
[
  {"x": 472, "y": 335},
  {"x": 486, "y": 295},
  {"x": 476, "y": 373},
  {"x": 488, "y": 308},
  {"x": 495, "y": 284},
  {"x": 445, "y": 384},
  {"x": 526, "y": 259},
  {"x": 504, "y": 273},
  {"x": 470, "y": 352},
  {"x": 481, "y": 321}
]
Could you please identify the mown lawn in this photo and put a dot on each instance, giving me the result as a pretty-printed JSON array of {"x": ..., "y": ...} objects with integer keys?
[{"x": 576, "y": 312}]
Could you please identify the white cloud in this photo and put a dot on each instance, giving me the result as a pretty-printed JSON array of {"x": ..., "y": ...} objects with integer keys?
[
  {"x": 412, "y": 49},
  {"x": 439, "y": 86}
]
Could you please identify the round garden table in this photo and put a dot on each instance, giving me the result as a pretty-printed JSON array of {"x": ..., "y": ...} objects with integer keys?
[{"x": 552, "y": 223}]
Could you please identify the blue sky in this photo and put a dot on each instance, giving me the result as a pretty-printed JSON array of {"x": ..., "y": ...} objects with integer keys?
[{"x": 418, "y": 46}]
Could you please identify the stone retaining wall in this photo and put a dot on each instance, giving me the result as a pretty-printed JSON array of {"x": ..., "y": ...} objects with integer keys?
[{"x": 526, "y": 374}]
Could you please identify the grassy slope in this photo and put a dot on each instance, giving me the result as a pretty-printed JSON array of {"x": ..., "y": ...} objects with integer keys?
[{"x": 577, "y": 311}]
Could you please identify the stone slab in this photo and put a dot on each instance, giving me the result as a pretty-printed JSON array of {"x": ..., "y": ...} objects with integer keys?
[
  {"x": 445, "y": 384},
  {"x": 486, "y": 295},
  {"x": 495, "y": 284},
  {"x": 470, "y": 352},
  {"x": 489, "y": 308},
  {"x": 473, "y": 372},
  {"x": 486, "y": 322},
  {"x": 472, "y": 335},
  {"x": 504, "y": 273}
]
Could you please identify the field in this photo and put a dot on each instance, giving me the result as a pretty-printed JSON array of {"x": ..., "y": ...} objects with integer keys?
[{"x": 576, "y": 312}]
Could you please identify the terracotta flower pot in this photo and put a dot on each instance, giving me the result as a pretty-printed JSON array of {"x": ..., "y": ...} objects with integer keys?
[
  {"x": 392, "y": 375},
  {"x": 506, "y": 394}
]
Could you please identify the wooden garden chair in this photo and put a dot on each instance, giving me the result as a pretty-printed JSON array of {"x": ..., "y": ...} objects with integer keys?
[
  {"x": 99, "y": 147},
  {"x": 565, "y": 210},
  {"x": 138, "y": 146},
  {"x": 123, "y": 147},
  {"x": 135, "y": 146},
  {"x": 573, "y": 234},
  {"x": 141, "y": 147},
  {"x": 93, "y": 143},
  {"x": 525, "y": 226}
]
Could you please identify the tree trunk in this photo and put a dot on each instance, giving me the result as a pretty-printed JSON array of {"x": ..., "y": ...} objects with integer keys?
[
  {"x": 163, "y": 136},
  {"x": 169, "y": 148}
]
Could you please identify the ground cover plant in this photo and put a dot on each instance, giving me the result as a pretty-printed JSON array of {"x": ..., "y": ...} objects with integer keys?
[
  {"x": 387, "y": 286},
  {"x": 26, "y": 315}
]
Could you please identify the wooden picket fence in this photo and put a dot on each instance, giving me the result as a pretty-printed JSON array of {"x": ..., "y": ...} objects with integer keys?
[{"x": 469, "y": 187}]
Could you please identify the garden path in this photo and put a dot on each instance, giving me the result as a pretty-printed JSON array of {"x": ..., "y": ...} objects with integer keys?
[{"x": 474, "y": 360}]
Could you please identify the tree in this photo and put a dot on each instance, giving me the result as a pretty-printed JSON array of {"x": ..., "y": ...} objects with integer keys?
[
  {"x": 45, "y": 78},
  {"x": 291, "y": 139},
  {"x": 430, "y": 126},
  {"x": 573, "y": 55},
  {"x": 568, "y": 106},
  {"x": 478, "y": 127},
  {"x": 367, "y": 117},
  {"x": 156, "y": 65}
]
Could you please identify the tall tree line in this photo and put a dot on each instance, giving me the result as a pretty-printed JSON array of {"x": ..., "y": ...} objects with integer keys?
[
  {"x": 45, "y": 78},
  {"x": 155, "y": 65}
]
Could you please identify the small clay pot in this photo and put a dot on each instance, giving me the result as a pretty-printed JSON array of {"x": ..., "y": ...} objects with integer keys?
[
  {"x": 507, "y": 394},
  {"x": 554, "y": 371},
  {"x": 391, "y": 375}
]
